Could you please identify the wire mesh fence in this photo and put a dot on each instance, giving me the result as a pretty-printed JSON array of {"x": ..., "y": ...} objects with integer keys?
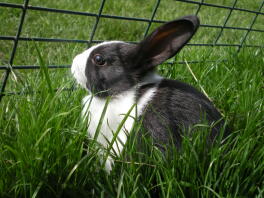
[{"x": 245, "y": 23}]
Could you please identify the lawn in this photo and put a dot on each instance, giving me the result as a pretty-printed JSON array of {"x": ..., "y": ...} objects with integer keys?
[{"x": 44, "y": 147}]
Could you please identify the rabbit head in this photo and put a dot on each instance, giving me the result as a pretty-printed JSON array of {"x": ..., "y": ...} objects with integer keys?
[{"x": 112, "y": 67}]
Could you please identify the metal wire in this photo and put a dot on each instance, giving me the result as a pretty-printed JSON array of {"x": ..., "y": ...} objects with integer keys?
[
  {"x": 90, "y": 39},
  {"x": 8, "y": 70},
  {"x": 220, "y": 6},
  {"x": 227, "y": 18},
  {"x": 97, "y": 21},
  {"x": 152, "y": 17},
  {"x": 250, "y": 28},
  {"x": 199, "y": 7}
]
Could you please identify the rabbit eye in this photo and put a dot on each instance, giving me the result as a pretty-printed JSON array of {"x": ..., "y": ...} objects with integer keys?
[{"x": 99, "y": 60}]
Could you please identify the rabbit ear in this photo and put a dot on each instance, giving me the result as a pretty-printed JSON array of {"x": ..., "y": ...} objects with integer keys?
[{"x": 166, "y": 41}]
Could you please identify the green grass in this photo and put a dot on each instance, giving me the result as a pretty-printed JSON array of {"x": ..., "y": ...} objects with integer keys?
[{"x": 44, "y": 148}]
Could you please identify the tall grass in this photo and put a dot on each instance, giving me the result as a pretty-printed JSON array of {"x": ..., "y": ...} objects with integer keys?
[{"x": 44, "y": 148}]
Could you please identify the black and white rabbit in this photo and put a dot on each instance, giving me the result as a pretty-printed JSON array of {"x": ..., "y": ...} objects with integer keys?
[{"x": 126, "y": 73}]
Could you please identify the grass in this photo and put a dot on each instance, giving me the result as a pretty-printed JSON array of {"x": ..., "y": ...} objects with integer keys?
[{"x": 44, "y": 148}]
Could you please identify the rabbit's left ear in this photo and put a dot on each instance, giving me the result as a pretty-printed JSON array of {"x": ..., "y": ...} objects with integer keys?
[{"x": 166, "y": 41}]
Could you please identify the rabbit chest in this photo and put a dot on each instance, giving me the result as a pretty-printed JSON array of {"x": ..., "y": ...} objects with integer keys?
[{"x": 115, "y": 114}]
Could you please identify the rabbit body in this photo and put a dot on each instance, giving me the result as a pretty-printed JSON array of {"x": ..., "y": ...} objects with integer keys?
[{"x": 124, "y": 74}]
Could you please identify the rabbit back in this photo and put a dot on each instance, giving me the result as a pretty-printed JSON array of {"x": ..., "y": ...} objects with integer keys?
[{"x": 177, "y": 107}]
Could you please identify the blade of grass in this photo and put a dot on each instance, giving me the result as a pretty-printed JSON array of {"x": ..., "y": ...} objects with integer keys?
[
  {"x": 97, "y": 131},
  {"x": 120, "y": 184},
  {"x": 116, "y": 134},
  {"x": 200, "y": 85},
  {"x": 195, "y": 78},
  {"x": 44, "y": 69}
]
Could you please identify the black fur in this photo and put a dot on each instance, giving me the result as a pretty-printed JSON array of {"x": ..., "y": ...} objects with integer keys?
[
  {"x": 175, "y": 108},
  {"x": 116, "y": 75}
]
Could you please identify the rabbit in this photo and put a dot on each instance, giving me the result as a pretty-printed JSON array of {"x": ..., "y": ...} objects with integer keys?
[{"x": 124, "y": 75}]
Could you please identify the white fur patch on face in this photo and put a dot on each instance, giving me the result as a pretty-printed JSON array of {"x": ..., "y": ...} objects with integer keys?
[{"x": 79, "y": 63}]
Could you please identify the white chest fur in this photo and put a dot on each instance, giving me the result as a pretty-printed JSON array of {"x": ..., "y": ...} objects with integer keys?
[{"x": 116, "y": 111}]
